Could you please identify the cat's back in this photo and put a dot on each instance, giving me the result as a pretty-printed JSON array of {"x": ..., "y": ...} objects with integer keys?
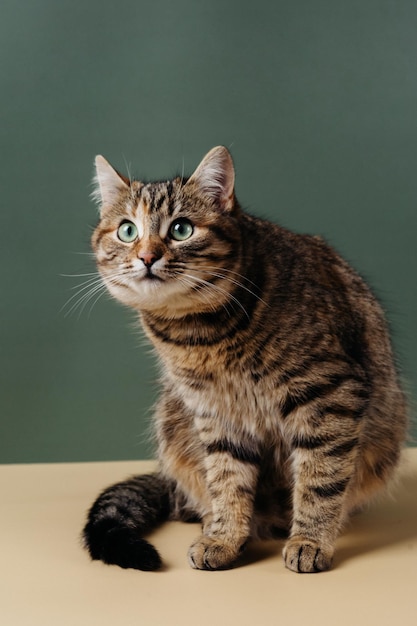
[
  {"x": 304, "y": 269},
  {"x": 317, "y": 302}
]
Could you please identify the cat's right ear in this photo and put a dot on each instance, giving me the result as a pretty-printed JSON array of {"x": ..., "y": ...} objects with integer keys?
[{"x": 108, "y": 184}]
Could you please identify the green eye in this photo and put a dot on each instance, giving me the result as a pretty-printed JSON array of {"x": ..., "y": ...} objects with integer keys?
[
  {"x": 127, "y": 232},
  {"x": 181, "y": 229}
]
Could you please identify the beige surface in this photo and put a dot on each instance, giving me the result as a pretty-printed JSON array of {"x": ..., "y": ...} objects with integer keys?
[{"x": 46, "y": 578}]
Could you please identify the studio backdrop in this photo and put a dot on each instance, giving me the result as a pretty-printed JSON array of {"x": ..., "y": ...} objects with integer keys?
[{"x": 317, "y": 102}]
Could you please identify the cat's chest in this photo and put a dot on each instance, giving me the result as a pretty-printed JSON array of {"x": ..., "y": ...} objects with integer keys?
[{"x": 213, "y": 382}]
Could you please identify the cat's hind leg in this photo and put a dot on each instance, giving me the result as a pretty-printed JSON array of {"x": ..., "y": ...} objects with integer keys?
[{"x": 121, "y": 516}]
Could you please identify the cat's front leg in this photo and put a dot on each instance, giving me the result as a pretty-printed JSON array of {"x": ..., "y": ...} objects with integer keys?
[
  {"x": 321, "y": 488},
  {"x": 231, "y": 474}
]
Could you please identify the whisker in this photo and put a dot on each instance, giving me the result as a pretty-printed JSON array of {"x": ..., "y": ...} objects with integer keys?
[
  {"x": 87, "y": 290},
  {"x": 183, "y": 280},
  {"x": 81, "y": 303},
  {"x": 82, "y": 287},
  {"x": 94, "y": 278},
  {"x": 128, "y": 169},
  {"x": 100, "y": 295},
  {"x": 224, "y": 269},
  {"x": 220, "y": 273},
  {"x": 218, "y": 290},
  {"x": 80, "y": 275},
  {"x": 238, "y": 284},
  {"x": 81, "y": 297}
]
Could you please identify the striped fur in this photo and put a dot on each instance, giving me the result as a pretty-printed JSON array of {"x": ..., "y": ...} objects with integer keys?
[{"x": 280, "y": 411}]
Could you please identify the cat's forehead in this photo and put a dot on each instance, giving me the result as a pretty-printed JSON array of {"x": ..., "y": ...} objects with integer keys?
[{"x": 152, "y": 198}]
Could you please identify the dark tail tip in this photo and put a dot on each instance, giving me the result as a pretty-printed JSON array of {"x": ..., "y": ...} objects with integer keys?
[{"x": 120, "y": 545}]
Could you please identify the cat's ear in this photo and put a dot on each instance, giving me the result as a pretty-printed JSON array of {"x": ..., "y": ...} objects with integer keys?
[
  {"x": 108, "y": 183},
  {"x": 215, "y": 178}
]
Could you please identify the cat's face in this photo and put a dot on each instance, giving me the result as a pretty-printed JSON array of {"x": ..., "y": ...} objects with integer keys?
[{"x": 169, "y": 247}]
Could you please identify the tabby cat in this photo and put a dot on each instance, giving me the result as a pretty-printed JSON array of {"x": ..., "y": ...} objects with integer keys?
[{"x": 281, "y": 412}]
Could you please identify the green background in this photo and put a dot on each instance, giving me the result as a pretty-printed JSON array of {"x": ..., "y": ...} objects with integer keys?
[{"x": 318, "y": 103}]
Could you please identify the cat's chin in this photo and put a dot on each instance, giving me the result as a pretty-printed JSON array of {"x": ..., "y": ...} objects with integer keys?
[{"x": 154, "y": 295}]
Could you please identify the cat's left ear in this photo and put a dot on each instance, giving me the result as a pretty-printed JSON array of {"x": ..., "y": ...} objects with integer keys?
[
  {"x": 215, "y": 178},
  {"x": 108, "y": 184}
]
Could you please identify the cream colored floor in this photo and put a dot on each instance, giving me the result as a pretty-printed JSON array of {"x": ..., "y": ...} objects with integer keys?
[{"x": 47, "y": 579}]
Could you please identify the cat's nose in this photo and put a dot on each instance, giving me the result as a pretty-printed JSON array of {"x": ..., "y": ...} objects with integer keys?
[{"x": 148, "y": 258}]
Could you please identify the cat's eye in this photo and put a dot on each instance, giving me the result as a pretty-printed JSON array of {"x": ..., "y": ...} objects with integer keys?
[
  {"x": 181, "y": 229},
  {"x": 127, "y": 232}
]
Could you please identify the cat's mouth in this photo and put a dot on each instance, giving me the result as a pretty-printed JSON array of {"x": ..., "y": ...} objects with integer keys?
[{"x": 151, "y": 276}]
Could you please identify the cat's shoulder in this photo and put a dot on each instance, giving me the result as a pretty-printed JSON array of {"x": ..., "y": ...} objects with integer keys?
[{"x": 273, "y": 235}]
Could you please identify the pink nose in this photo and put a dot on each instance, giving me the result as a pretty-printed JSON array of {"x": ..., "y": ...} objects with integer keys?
[{"x": 148, "y": 258}]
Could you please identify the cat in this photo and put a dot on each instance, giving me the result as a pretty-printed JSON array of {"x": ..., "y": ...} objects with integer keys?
[{"x": 281, "y": 411}]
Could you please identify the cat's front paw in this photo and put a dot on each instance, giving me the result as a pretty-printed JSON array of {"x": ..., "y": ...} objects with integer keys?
[
  {"x": 306, "y": 556},
  {"x": 210, "y": 554}
]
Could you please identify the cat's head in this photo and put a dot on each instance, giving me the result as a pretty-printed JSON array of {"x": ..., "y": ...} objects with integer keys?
[{"x": 169, "y": 247}]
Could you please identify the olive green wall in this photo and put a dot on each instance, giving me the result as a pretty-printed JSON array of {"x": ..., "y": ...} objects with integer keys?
[{"x": 318, "y": 102}]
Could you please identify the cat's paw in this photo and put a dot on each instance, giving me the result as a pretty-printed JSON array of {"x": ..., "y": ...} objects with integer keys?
[
  {"x": 210, "y": 554},
  {"x": 306, "y": 556}
]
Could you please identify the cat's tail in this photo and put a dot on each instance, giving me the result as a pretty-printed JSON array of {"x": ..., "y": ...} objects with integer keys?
[{"x": 121, "y": 516}]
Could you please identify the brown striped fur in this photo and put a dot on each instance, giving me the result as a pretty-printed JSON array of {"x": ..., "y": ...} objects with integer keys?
[{"x": 281, "y": 410}]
